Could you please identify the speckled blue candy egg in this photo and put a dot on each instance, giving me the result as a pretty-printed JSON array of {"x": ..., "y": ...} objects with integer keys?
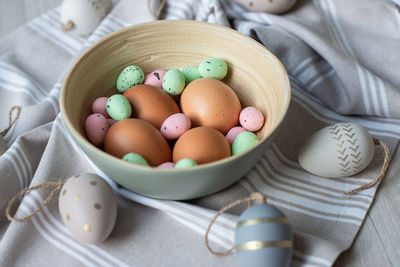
[
  {"x": 215, "y": 68},
  {"x": 263, "y": 237},
  {"x": 118, "y": 107},
  {"x": 130, "y": 76},
  {"x": 173, "y": 82}
]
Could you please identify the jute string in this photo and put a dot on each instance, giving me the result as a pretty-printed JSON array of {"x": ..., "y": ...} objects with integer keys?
[
  {"x": 381, "y": 174},
  {"x": 48, "y": 184},
  {"x": 11, "y": 121},
  {"x": 68, "y": 26},
  {"x": 258, "y": 198},
  {"x": 156, "y": 15}
]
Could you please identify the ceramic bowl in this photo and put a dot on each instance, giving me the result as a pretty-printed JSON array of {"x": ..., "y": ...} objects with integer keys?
[{"x": 256, "y": 75}]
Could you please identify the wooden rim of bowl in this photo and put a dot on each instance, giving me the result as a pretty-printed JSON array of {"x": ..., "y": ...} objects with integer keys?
[{"x": 255, "y": 45}]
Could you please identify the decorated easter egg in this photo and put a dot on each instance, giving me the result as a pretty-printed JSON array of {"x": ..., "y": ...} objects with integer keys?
[
  {"x": 3, "y": 145},
  {"x": 201, "y": 144},
  {"x": 215, "y": 68},
  {"x": 135, "y": 159},
  {"x": 211, "y": 103},
  {"x": 155, "y": 78},
  {"x": 130, "y": 76},
  {"x": 151, "y": 104},
  {"x": 251, "y": 119},
  {"x": 96, "y": 126},
  {"x": 185, "y": 163},
  {"x": 83, "y": 16},
  {"x": 233, "y": 133},
  {"x": 271, "y": 6},
  {"x": 243, "y": 142},
  {"x": 173, "y": 82},
  {"x": 137, "y": 136},
  {"x": 88, "y": 208},
  {"x": 166, "y": 165},
  {"x": 99, "y": 106},
  {"x": 175, "y": 125},
  {"x": 118, "y": 107},
  {"x": 191, "y": 73},
  {"x": 339, "y": 150},
  {"x": 263, "y": 237}
]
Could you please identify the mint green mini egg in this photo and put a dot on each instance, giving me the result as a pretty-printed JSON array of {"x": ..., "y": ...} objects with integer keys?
[
  {"x": 185, "y": 163},
  {"x": 191, "y": 73},
  {"x": 135, "y": 159},
  {"x": 130, "y": 76},
  {"x": 173, "y": 82},
  {"x": 215, "y": 68},
  {"x": 118, "y": 107},
  {"x": 244, "y": 141}
]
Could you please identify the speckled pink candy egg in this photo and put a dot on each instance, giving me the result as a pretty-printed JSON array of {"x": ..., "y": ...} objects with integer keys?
[
  {"x": 155, "y": 78},
  {"x": 251, "y": 119},
  {"x": 166, "y": 165},
  {"x": 99, "y": 106},
  {"x": 233, "y": 132},
  {"x": 96, "y": 126},
  {"x": 175, "y": 125}
]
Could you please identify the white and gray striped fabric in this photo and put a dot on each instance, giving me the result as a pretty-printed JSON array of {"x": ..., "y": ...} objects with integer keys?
[{"x": 342, "y": 58}]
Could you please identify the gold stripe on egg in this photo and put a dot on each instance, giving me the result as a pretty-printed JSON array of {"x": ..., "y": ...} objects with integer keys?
[
  {"x": 261, "y": 221},
  {"x": 256, "y": 245}
]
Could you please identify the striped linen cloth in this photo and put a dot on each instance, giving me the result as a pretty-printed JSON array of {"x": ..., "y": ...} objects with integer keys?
[{"x": 339, "y": 71}]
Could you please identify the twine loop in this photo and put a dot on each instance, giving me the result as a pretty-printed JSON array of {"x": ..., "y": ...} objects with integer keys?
[
  {"x": 258, "y": 198},
  {"x": 68, "y": 26},
  {"x": 45, "y": 202},
  {"x": 11, "y": 121},
  {"x": 156, "y": 15},
  {"x": 382, "y": 172}
]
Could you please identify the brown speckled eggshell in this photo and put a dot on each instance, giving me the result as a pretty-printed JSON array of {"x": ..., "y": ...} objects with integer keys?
[
  {"x": 87, "y": 207},
  {"x": 137, "y": 136},
  {"x": 203, "y": 145},
  {"x": 151, "y": 104},
  {"x": 211, "y": 103}
]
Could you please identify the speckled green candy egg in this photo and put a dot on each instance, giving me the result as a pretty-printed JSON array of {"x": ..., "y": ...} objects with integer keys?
[
  {"x": 185, "y": 163},
  {"x": 215, "y": 68},
  {"x": 244, "y": 141},
  {"x": 130, "y": 76},
  {"x": 174, "y": 82},
  {"x": 118, "y": 107},
  {"x": 135, "y": 159},
  {"x": 191, "y": 73}
]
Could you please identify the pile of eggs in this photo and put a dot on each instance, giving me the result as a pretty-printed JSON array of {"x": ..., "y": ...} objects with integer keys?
[{"x": 173, "y": 119}]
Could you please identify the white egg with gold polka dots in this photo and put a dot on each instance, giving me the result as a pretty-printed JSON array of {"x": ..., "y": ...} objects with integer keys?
[{"x": 88, "y": 208}]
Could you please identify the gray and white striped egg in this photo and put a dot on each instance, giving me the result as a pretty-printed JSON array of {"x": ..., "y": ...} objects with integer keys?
[
  {"x": 85, "y": 15},
  {"x": 263, "y": 237},
  {"x": 88, "y": 208},
  {"x": 270, "y": 6},
  {"x": 338, "y": 150}
]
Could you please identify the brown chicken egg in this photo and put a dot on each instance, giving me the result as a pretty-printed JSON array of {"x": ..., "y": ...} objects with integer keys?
[
  {"x": 137, "y": 136},
  {"x": 211, "y": 103},
  {"x": 151, "y": 104},
  {"x": 203, "y": 145}
]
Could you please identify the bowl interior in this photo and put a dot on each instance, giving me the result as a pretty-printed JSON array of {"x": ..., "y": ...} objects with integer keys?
[{"x": 255, "y": 74}]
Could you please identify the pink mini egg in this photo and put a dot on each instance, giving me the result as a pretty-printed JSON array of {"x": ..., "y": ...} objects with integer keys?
[
  {"x": 233, "y": 132},
  {"x": 155, "y": 78},
  {"x": 166, "y": 165},
  {"x": 251, "y": 119},
  {"x": 99, "y": 106},
  {"x": 96, "y": 126},
  {"x": 175, "y": 125},
  {"x": 111, "y": 122}
]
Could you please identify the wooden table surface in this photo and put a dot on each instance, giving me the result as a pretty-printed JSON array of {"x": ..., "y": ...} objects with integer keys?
[{"x": 377, "y": 243}]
